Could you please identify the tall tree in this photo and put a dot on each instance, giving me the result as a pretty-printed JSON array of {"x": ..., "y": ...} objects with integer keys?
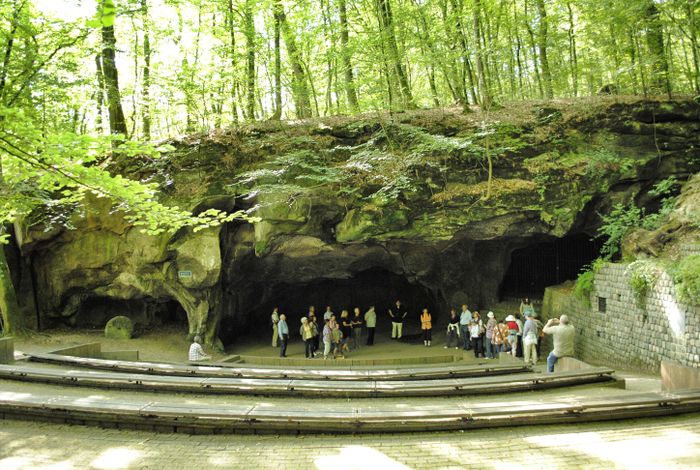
[
  {"x": 300, "y": 87},
  {"x": 146, "y": 85},
  {"x": 117, "y": 122},
  {"x": 249, "y": 29},
  {"x": 348, "y": 74},
  {"x": 388, "y": 34},
  {"x": 542, "y": 39},
  {"x": 485, "y": 98},
  {"x": 661, "y": 82}
]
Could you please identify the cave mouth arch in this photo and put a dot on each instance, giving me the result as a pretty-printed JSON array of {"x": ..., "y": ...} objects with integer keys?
[
  {"x": 375, "y": 286},
  {"x": 95, "y": 312},
  {"x": 547, "y": 262}
]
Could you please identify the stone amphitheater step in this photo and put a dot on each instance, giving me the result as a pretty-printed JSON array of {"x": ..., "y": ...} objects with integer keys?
[
  {"x": 300, "y": 417},
  {"x": 305, "y": 387},
  {"x": 451, "y": 370}
]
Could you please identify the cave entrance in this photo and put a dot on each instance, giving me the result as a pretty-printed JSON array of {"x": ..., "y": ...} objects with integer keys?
[
  {"x": 376, "y": 287},
  {"x": 94, "y": 312},
  {"x": 547, "y": 263}
]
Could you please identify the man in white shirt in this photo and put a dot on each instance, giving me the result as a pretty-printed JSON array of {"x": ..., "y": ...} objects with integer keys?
[
  {"x": 465, "y": 318},
  {"x": 563, "y": 336},
  {"x": 196, "y": 352}
]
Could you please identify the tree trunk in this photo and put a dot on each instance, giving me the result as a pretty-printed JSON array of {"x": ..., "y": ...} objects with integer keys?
[
  {"x": 484, "y": 93},
  {"x": 8, "y": 49},
  {"x": 542, "y": 45},
  {"x": 232, "y": 55},
  {"x": 300, "y": 89},
  {"x": 100, "y": 94},
  {"x": 573, "y": 57},
  {"x": 386, "y": 26},
  {"x": 660, "y": 81},
  {"x": 146, "y": 88},
  {"x": 9, "y": 307},
  {"x": 117, "y": 121},
  {"x": 249, "y": 25},
  {"x": 350, "y": 92},
  {"x": 277, "y": 115}
]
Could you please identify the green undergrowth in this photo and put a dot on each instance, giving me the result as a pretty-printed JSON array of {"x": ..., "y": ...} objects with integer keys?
[
  {"x": 686, "y": 277},
  {"x": 585, "y": 283}
]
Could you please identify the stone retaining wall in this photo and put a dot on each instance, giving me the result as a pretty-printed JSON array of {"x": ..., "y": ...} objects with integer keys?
[{"x": 615, "y": 330}]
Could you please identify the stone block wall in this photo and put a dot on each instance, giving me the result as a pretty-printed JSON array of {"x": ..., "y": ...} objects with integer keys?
[{"x": 619, "y": 332}]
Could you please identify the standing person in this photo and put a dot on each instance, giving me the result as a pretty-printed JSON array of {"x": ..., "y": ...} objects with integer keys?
[
  {"x": 275, "y": 319},
  {"x": 316, "y": 338},
  {"x": 337, "y": 337},
  {"x": 499, "y": 337},
  {"x": 371, "y": 324},
  {"x": 356, "y": 328},
  {"x": 540, "y": 334},
  {"x": 346, "y": 328},
  {"x": 283, "y": 331},
  {"x": 563, "y": 336},
  {"x": 475, "y": 328},
  {"x": 398, "y": 314},
  {"x": 327, "y": 314},
  {"x": 196, "y": 353},
  {"x": 426, "y": 325},
  {"x": 307, "y": 334},
  {"x": 491, "y": 352},
  {"x": 465, "y": 318},
  {"x": 527, "y": 307},
  {"x": 530, "y": 336},
  {"x": 512, "y": 334},
  {"x": 327, "y": 338},
  {"x": 519, "y": 346},
  {"x": 453, "y": 330}
]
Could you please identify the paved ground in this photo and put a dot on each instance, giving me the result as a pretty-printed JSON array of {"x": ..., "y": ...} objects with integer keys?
[
  {"x": 672, "y": 442},
  {"x": 664, "y": 443}
]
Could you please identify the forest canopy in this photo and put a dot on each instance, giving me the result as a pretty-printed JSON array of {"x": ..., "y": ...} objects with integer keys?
[{"x": 153, "y": 69}]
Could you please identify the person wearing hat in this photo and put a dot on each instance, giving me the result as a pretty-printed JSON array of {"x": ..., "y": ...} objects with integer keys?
[
  {"x": 488, "y": 340},
  {"x": 513, "y": 331},
  {"x": 530, "y": 337},
  {"x": 196, "y": 352},
  {"x": 563, "y": 337}
]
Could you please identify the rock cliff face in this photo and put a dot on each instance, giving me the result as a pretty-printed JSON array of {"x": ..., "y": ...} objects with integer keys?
[{"x": 427, "y": 205}]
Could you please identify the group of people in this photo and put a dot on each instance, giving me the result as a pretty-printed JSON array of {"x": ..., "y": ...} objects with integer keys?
[
  {"x": 338, "y": 335},
  {"x": 519, "y": 334}
]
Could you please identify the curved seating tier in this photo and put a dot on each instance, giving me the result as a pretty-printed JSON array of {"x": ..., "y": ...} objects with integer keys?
[
  {"x": 451, "y": 370},
  {"x": 262, "y": 417},
  {"x": 307, "y": 387}
]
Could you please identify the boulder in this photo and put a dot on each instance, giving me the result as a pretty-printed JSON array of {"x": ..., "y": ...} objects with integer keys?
[{"x": 119, "y": 327}]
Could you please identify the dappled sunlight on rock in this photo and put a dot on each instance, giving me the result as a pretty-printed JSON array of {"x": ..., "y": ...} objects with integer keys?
[
  {"x": 358, "y": 457},
  {"x": 116, "y": 457}
]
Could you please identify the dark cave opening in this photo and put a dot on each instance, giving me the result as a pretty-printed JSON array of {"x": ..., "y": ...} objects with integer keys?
[
  {"x": 376, "y": 287},
  {"x": 96, "y": 311},
  {"x": 546, "y": 263}
]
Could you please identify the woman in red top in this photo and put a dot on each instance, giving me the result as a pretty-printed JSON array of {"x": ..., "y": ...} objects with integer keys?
[{"x": 513, "y": 330}]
